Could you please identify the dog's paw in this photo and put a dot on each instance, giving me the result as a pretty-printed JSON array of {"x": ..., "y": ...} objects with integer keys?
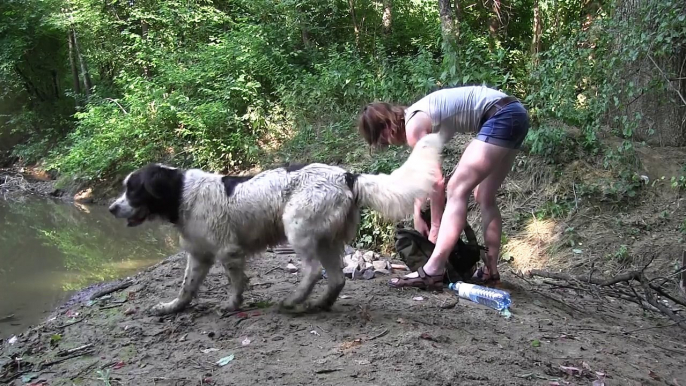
[
  {"x": 320, "y": 305},
  {"x": 287, "y": 307},
  {"x": 231, "y": 305},
  {"x": 164, "y": 308}
]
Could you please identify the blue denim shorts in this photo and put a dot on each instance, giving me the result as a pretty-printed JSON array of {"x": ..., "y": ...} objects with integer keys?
[{"x": 507, "y": 128}]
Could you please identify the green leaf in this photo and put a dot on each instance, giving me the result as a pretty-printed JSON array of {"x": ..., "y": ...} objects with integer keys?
[{"x": 535, "y": 343}]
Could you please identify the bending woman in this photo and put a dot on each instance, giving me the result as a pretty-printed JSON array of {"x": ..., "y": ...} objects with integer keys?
[{"x": 501, "y": 123}]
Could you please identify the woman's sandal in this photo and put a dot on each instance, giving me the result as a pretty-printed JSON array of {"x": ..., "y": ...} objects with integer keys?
[
  {"x": 478, "y": 277},
  {"x": 423, "y": 281}
]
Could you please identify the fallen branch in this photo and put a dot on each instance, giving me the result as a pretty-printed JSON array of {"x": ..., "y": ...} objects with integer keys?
[
  {"x": 682, "y": 283},
  {"x": 73, "y": 350},
  {"x": 56, "y": 361},
  {"x": 633, "y": 275},
  {"x": 70, "y": 323},
  {"x": 648, "y": 300},
  {"x": 115, "y": 288},
  {"x": 379, "y": 335},
  {"x": 665, "y": 310}
]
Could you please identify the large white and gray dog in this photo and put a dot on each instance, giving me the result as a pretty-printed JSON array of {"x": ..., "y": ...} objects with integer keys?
[{"x": 316, "y": 208}]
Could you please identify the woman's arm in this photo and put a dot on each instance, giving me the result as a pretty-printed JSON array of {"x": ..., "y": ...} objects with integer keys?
[{"x": 437, "y": 198}]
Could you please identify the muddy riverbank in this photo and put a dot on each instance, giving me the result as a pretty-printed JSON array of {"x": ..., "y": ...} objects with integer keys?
[{"x": 374, "y": 335}]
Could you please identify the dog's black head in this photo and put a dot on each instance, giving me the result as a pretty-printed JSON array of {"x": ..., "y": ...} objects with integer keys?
[{"x": 149, "y": 192}]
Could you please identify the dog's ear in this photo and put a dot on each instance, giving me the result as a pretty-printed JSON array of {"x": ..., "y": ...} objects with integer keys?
[{"x": 161, "y": 182}]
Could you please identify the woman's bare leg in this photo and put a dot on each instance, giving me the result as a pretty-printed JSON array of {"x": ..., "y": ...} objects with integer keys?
[
  {"x": 479, "y": 160},
  {"x": 485, "y": 195}
]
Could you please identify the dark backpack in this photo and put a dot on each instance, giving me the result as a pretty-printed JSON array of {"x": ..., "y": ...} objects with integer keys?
[{"x": 414, "y": 250}]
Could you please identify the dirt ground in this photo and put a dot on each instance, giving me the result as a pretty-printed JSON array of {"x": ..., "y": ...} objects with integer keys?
[{"x": 375, "y": 335}]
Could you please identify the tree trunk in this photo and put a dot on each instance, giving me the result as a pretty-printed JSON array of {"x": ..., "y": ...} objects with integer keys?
[
  {"x": 387, "y": 17},
  {"x": 55, "y": 84},
  {"x": 448, "y": 23},
  {"x": 29, "y": 85},
  {"x": 144, "y": 37},
  {"x": 458, "y": 12},
  {"x": 494, "y": 22},
  {"x": 72, "y": 63},
  {"x": 356, "y": 28},
  {"x": 88, "y": 85},
  {"x": 663, "y": 109},
  {"x": 536, "y": 41}
]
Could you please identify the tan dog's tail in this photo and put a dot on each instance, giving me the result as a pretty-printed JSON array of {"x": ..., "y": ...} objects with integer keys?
[{"x": 393, "y": 195}]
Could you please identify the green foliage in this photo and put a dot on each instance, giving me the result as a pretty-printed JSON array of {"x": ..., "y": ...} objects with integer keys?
[
  {"x": 554, "y": 209},
  {"x": 374, "y": 232},
  {"x": 553, "y": 144},
  {"x": 230, "y": 84},
  {"x": 586, "y": 79}
]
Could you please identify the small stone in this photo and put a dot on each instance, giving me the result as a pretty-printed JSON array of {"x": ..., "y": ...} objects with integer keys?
[
  {"x": 349, "y": 250},
  {"x": 380, "y": 264},
  {"x": 348, "y": 260},
  {"x": 348, "y": 271},
  {"x": 382, "y": 272},
  {"x": 291, "y": 268},
  {"x": 369, "y": 256},
  {"x": 368, "y": 274},
  {"x": 418, "y": 298},
  {"x": 368, "y": 265},
  {"x": 399, "y": 267},
  {"x": 358, "y": 273},
  {"x": 448, "y": 304},
  {"x": 357, "y": 256},
  {"x": 84, "y": 196}
]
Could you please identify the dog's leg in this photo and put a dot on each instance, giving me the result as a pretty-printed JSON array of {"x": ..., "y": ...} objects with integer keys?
[
  {"x": 330, "y": 256},
  {"x": 197, "y": 267},
  {"x": 234, "y": 267},
  {"x": 311, "y": 275}
]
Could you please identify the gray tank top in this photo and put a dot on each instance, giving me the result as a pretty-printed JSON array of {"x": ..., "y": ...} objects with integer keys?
[{"x": 455, "y": 110}]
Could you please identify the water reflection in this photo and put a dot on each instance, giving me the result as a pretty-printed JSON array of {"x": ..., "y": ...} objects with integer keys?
[{"x": 49, "y": 249}]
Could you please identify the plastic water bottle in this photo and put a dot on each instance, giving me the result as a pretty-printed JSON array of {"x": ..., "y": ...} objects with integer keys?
[{"x": 490, "y": 297}]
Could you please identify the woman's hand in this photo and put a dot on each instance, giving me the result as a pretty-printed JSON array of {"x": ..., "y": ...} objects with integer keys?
[
  {"x": 433, "y": 233},
  {"x": 421, "y": 226}
]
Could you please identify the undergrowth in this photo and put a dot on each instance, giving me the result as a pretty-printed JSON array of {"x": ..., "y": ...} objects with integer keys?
[{"x": 229, "y": 86}]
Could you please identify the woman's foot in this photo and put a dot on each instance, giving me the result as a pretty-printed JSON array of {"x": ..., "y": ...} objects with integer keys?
[
  {"x": 484, "y": 277},
  {"x": 419, "y": 279}
]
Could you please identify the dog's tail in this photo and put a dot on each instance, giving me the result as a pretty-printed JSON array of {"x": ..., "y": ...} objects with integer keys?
[{"x": 394, "y": 195}]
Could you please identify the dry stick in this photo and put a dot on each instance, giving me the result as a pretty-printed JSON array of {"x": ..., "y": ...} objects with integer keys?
[
  {"x": 683, "y": 272},
  {"x": 73, "y": 350},
  {"x": 70, "y": 323},
  {"x": 114, "y": 288},
  {"x": 603, "y": 283},
  {"x": 56, "y": 361},
  {"x": 650, "y": 328},
  {"x": 664, "y": 293},
  {"x": 379, "y": 335},
  {"x": 650, "y": 299},
  {"x": 667, "y": 79}
]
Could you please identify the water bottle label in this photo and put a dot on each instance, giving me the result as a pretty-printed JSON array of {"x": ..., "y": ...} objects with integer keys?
[{"x": 464, "y": 289}]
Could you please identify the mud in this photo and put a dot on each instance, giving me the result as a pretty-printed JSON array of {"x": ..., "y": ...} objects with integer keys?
[{"x": 375, "y": 335}]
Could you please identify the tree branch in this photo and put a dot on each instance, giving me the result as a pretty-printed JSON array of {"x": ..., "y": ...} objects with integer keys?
[{"x": 667, "y": 79}]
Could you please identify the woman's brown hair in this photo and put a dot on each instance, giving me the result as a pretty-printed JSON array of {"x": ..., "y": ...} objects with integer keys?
[{"x": 380, "y": 117}]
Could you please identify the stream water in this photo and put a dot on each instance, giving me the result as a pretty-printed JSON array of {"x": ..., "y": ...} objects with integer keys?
[{"x": 51, "y": 249}]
